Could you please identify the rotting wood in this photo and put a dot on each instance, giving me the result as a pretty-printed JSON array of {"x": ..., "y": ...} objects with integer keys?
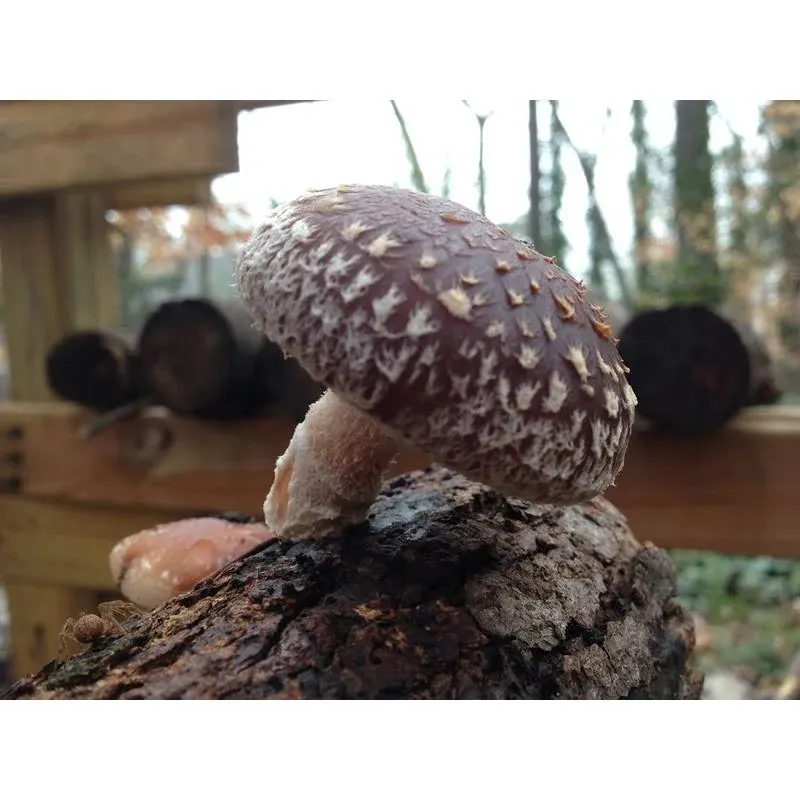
[{"x": 449, "y": 590}]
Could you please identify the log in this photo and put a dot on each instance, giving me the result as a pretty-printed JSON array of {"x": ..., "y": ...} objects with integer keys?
[
  {"x": 692, "y": 369},
  {"x": 448, "y": 590},
  {"x": 95, "y": 369},
  {"x": 286, "y": 387},
  {"x": 199, "y": 358}
]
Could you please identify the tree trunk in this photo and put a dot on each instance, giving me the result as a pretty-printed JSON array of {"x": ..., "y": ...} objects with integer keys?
[
  {"x": 783, "y": 120},
  {"x": 692, "y": 370},
  {"x": 449, "y": 590},
  {"x": 535, "y": 187},
  {"x": 199, "y": 358},
  {"x": 698, "y": 278},
  {"x": 95, "y": 369},
  {"x": 641, "y": 189}
]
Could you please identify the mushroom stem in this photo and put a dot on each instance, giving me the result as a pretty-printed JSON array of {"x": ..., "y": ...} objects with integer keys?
[{"x": 331, "y": 471}]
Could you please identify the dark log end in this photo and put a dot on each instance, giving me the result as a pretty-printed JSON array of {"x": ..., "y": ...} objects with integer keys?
[
  {"x": 689, "y": 367},
  {"x": 449, "y": 590},
  {"x": 95, "y": 369},
  {"x": 198, "y": 359},
  {"x": 285, "y": 385}
]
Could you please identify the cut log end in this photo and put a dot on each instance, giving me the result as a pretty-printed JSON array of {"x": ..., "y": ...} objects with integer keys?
[
  {"x": 449, "y": 590},
  {"x": 691, "y": 370},
  {"x": 95, "y": 369},
  {"x": 197, "y": 358}
]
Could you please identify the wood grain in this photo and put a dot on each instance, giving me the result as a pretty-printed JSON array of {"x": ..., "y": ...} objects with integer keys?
[
  {"x": 156, "y": 461},
  {"x": 50, "y": 145}
]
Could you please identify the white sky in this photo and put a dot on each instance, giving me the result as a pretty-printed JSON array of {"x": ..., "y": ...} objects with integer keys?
[{"x": 285, "y": 150}]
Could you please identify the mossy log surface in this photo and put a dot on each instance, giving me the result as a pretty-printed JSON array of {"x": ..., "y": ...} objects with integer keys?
[{"x": 449, "y": 590}]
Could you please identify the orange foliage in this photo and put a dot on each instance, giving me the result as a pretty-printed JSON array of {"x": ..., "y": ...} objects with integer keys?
[{"x": 182, "y": 234}]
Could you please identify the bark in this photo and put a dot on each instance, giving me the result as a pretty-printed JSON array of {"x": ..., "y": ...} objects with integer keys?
[
  {"x": 95, "y": 369},
  {"x": 449, "y": 590},
  {"x": 693, "y": 370}
]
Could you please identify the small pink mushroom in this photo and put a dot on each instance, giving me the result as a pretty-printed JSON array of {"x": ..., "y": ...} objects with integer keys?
[{"x": 154, "y": 565}]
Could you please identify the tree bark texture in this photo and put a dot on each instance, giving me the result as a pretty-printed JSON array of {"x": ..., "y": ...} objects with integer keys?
[{"x": 449, "y": 590}]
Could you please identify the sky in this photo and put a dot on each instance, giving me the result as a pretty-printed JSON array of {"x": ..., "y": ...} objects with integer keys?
[{"x": 287, "y": 149}]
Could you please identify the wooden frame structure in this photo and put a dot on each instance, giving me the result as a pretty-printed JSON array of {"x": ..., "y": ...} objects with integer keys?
[{"x": 64, "y": 500}]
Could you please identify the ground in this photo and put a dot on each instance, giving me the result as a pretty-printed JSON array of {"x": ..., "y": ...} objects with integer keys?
[{"x": 747, "y": 618}]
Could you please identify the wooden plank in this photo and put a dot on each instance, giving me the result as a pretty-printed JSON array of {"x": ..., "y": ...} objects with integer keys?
[
  {"x": 50, "y": 145},
  {"x": 203, "y": 466},
  {"x": 86, "y": 259},
  {"x": 252, "y": 105},
  {"x": 34, "y": 293},
  {"x": 38, "y": 614},
  {"x": 155, "y": 194},
  {"x": 57, "y": 275},
  {"x": 50, "y": 543},
  {"x": 734, "y": 492}
]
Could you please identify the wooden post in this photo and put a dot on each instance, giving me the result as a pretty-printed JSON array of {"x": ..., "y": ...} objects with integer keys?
[
  {"x": 62, "y": 165},
  {"x": 38, "y": 613},
  {"x": 57, "y": 276}
]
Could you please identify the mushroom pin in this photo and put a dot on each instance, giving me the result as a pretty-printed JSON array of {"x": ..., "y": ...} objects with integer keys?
[
  {"x": 431, "y": 327},
  {"x": 156, "y": 564}
]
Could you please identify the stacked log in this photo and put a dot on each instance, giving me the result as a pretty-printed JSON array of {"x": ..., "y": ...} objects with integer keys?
[
  {"x": 196, "y": 357},
  {"x": 95, "y": 369},
  {"x": 693, "y": 370}
]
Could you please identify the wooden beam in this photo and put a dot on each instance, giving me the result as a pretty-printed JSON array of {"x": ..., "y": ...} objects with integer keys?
[
  {"x": 156, "y": 461},
  {"x": 47, "y": 542},
  {"x": 38, "y": 613},
  {"x": 34, "y": 290},
  {"x": 50, "y": 145},
  {"x": 734, "y": 492},
  {"x": 86, "y": 259},
  {"x": 252, "y": 105},
  {"x": 155, "y": 194},
  {"x": 58, "y": 274}
]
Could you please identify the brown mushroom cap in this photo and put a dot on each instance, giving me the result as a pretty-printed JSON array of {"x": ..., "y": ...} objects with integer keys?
[{"x": 462, "y": 340}]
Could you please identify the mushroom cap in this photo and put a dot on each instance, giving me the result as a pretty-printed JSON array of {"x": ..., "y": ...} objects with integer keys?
[
  {"x": 461, "y": 340},
  {"x": 156, "y": 564}
]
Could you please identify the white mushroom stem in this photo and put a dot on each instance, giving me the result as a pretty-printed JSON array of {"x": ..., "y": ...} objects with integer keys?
[{"x": 331, "y": 471}]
